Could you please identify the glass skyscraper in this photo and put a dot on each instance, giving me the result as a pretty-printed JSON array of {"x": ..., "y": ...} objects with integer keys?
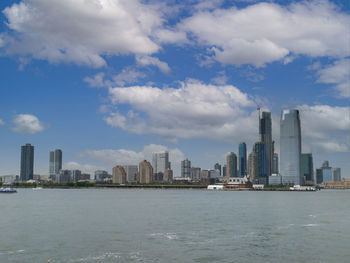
[
  {"x": 307, "y": 168},
  {"x": 27, "y": 162},
  {"x": 242, "y": 159},
  {"x": 290, "y": 147},
  {"x": 231, "y": 165},
  {"x": 55, "y": 162},
  {"x": 160, "y": 162},
  {"x": 265, "y": 134},
  {"x": 259, "y": 150}
]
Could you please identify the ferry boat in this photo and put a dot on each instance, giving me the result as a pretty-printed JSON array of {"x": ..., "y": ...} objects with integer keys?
[{"x": 7, "y": 190}]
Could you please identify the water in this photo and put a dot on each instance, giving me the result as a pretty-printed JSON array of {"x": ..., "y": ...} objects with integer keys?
[{"x": 116, "y": 225}]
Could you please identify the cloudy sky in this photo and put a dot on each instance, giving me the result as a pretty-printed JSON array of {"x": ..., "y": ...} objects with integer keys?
[{"x": 111, "y": 81}]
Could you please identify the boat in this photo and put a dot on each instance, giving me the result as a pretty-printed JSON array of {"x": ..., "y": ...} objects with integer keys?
[
  {"x": 37, "y": 188},
  {"x": 7, "y": 190}
]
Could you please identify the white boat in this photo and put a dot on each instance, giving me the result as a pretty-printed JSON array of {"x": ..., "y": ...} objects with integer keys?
[
  {"x": 37, "y": 188},
  {"x": 7, "y": 190}
]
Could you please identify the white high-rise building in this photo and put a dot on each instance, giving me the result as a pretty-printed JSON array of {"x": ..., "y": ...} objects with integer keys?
[
  {"x": 160, "y": 162},
  {"x": 131, "y": 173},
  {"x": 290, "y": 147}
]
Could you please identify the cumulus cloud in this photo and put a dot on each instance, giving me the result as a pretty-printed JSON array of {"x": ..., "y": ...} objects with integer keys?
[
  {"x": 325, "y": 128},
  {"x": 148, "y": 60},
  {"x": 27, "y": 123},
  {"x": 112, "y": 157},
  {"x": 2, "y": 122},
  {"x": 194, "y": 110},
  {"x": 267, "y": 32},
  {"x": 337, "y": 74},
  {"x": 80, "y": 31}
]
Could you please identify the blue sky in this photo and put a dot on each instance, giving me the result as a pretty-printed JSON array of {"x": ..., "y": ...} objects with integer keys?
[{"x": 109, "y": 82}]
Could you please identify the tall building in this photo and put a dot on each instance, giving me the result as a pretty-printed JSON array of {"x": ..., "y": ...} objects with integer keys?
[
  {"x": 275, "y": 169},
  {"x": 55, "y": 162},
  {"x": 186, "y": 168},
  {"x": 336, "y": 174},
  {"x": 290, "y": 147},
  {"x": 119, "y": 175},
  {"x": 217, "y": 166},
  {"x": 145, "y": 172},
  {"x": 131, "y": 173},
  {"x": 102, "y": 176},
  {"x": 260, "y": 163},
  {"x": 242, "y": 159},
  {"x": 195, "y": 173},
  {"x": 160, "y": 162},
  {"x": 265, "y": 136},
  {"x": 231, "y": 165},
  {"x": 224, "y": 170},
  {"x": 327, "y": 173},
  {"x": 252, "y": 168},
  {"x": 27, "y": 162},
  {"x": 319, "y": 176},
  {"x": 307, "y": 168}
]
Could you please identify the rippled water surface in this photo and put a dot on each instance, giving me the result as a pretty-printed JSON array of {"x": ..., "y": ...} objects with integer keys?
[{"x": 96, "y": 225}]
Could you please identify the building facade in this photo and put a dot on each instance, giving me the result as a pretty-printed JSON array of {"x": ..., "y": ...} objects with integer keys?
[
  {"x": 259, "y": 150},
  {"x": 168, "y": 175},
  {"x": 27, "y": 162},
  {"x": 242, "y": 159},
  {"x": 275, "y": 169},
  {"x": 265, "y": 136},
  {"x": 145, "y": 172},
  {"x": 119, "y": 175},
  {"x": 217, "y": 166},
  {"x": 186, "y": 168},
  {"x": 55, "y": 162},
  {"x": 231, "y": 165},
  {"x": 160, "y": 162},
  {"x": 307, "y": 168},
  {"x": 290, "y": 147},
  {"x": 131, "y": 173}
]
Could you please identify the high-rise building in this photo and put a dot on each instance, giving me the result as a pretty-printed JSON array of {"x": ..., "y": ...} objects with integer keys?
[
  {"x": 55, "y": 162},
  {"x": 242, "y": 159},
  {"x": 231, "y": 165},
  {"x": 195, "y": 173},
  {"x": 145, "y": 172},
  {"x": 275, "y": 164},
  {"x": 260, "y": 163},
  {"x": 252, "y": 168},
  {"x": 131, "y": 173},
  {"x": 307, "y": 168},
  {"x": 336, "y": 174},
  {"x": 186, "y": 168},
  {"x": 224, "y": 170},
  {"x": 327, "y": 173},
  {"x": 265, "y": 136},
  {"x": 217, "y": 166},
  {"x": 76, "y": 175},
  {"x": 64, "y": 176},
  {"x": 119, "y": 175},
  {"x": 319, "y": 176},
  {"x": 102, "y": 176},
  {"x": 290, "y": 148},
  {"x": 27, "y": 162},
  {"x": 160, "y": 162}
]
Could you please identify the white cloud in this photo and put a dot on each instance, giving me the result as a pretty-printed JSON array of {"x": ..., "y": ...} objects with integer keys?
[
  {"x": 339, "y": 74},
  {"x": 2, "y": 122},
  {"x": 81, "y": 31},
  {"x": 325, "y": 128},
  {"x": 27, "y": 123},
  {"x": 112, "y": 157},
  {"x": 195, "y": 110},
  {"x": 148, "y": 60},
  {"x": 267, "y": 32}
]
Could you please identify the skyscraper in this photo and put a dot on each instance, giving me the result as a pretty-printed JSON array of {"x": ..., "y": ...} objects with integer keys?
[
  {"x": 55, "y": 162},
  {"x": 27, "y": 162},
  {"x": 275, "y": 169},
  {"x": 265, "y": 136},
  {"x": 119, "y": 175},
  {"x": 290, "y": 147},
  {"x": 186, "y": 168},
  {"x": 160, "y": 162},
  {"x": 260, "y": 163},
  {"x": 231, "y": 166},
  {"x": 242, "y": 159},
  {"x": 217, "y": 166},
  {"x": 307, "y": 168}
]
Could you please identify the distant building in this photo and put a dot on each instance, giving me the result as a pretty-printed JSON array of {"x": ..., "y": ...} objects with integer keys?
[
  {"x": 76, "y": 175},
  {"x": 319, "y": 176},
  {"x": 336, "y": 174},
  {"x": 275, "y": 169},
  {"x": 55, "y": 162},
  {"x": 290, "y": 147},
  {"x": 145, "y": 172},
  {"x": 160, "y": 162},
  {"x": 275, "y": 179},
  {"x": 327, "y": 173},
  {"x": 231, "y": 165},
  {"x": 27, "y": 162},
  {"x": 119, "y": 175},
  {"x": 242, "y": 159},
  {"x": 265, "y": 134},
  {"x": 186, "y": 168},
  {"x": 168, "y": 175},
  {"x": 307, "y": 168},
  {"x": 205, "y": 174},
  {"x": 195, "y": 173},
  {"x": 214, "y": 174},
  {"x": 64, "y": 176},
  {"x": 217, "y": 166},
  {"x": 102, "y": 176},
  {"x": 260, "y": 176},
  {"x": 252, "y": 167},
  {"x": 224, "y": 171},
  {"x": 131, "y": 173}
]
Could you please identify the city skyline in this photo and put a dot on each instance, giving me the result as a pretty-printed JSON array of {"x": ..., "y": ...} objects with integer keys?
[{"x": 184, "y": 81}]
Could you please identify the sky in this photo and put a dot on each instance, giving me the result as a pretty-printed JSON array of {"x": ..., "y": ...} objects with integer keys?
[{"x": 111, "y": 81}]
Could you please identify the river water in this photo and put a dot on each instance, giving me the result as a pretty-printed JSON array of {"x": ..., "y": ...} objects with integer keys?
[{"x": 117, "y": 225}]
